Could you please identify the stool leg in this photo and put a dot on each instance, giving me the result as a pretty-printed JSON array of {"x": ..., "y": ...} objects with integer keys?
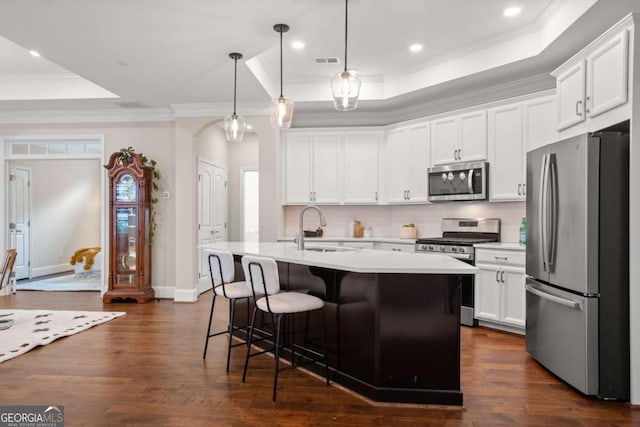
[
  {"x": 248, "y": 325},
  {"x": 232, "y": 312},
  {"x": 324, "y": 344},
  {"x": 246, "y": 361},
  {"x": 293, "y": 339},
  {"x": 206, "y": 341},
  {"x": 275, "y": 376}
]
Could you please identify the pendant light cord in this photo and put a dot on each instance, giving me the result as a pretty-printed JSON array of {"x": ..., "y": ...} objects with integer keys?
[
  {"x": 235, "y": 80},
  {"x": 280, "y": 31},
  {"x": 346, "y": 26}
]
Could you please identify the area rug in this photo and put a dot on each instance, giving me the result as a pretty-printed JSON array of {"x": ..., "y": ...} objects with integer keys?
[
  {"x": 28, "y": 329},
  {"x": 68, "y": 282}
]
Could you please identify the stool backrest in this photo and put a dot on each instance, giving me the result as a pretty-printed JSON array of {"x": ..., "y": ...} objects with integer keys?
[
  {"x": 7, "y": 267},
  {"x": 261, "y": 274},
  {"x": 221, "y": 266}
]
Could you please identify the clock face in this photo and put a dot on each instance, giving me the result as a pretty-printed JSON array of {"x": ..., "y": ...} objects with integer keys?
[{"x": 126, "y": 190}]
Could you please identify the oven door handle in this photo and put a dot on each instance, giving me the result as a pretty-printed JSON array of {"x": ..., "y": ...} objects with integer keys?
[{"x": 467, "y": 257}]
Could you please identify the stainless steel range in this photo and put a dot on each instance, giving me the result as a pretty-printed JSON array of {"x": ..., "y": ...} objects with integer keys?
[{"x": 458, "y": 237}]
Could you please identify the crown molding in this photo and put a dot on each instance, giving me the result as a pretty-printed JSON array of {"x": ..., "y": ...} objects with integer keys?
[
  {"x": 87, "y": 116},
  {"x": 539, "y": 85}
]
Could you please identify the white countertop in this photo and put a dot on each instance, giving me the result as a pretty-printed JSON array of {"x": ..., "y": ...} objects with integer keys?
[
  {"x": 331, "y": 239},
  {"x": 356, "y": 260},
  {"x": 501, "y": 245}
]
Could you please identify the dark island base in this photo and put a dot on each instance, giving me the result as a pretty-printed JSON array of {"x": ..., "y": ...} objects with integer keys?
[{"x": 390, "y": 337}]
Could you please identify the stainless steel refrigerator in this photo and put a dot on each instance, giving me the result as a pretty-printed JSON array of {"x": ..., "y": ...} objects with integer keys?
[{"x": 577, "y": 286}]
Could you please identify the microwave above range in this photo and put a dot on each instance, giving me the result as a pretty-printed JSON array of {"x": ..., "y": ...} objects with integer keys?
[{"x": 459, "y": 181}]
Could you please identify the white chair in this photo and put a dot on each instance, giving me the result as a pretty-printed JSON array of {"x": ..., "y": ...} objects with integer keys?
[
  {"x": 221, "y": 269},
  {"x": 261, "y": 274}
]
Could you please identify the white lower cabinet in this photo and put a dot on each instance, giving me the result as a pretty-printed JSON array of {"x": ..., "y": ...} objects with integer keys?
[{"x": 499, "y": 289}]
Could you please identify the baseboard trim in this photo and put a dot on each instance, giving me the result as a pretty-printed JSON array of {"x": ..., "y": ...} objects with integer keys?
[
  {"x": 50, "y": 269},
  {"x": 185, "y": 295},
  {"x": 164, "y": 292}
]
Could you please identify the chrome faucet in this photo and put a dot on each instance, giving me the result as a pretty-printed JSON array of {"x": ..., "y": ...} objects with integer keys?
[{"x": 323, "y": 223}]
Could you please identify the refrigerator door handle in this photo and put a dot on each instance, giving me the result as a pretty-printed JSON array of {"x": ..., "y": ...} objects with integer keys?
[
  {"x": 553, "y": 201},
  {"x": 543, "y": 210},
  {"x": 559, "y": 300}
]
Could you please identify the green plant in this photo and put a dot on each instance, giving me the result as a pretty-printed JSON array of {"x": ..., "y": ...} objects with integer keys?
[
  {"x": 409, "y": 225},
  {"x": 125, "y": 157}
]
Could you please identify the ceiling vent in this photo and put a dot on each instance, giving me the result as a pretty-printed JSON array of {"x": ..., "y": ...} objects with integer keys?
[{"x": 327, "y": 60}]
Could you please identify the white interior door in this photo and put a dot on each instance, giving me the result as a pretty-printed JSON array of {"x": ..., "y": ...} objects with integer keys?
[
  {"x": 212, "y": 214},
  {"x": 19, "y": 219}
]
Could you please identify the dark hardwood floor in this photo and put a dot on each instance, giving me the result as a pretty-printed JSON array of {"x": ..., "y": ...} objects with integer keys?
[{"x": 146, "y": 368}]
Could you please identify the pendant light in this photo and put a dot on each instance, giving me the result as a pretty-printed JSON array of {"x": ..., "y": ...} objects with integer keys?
[
  {"x": 345, "y": 85},
  {"x": 281, "y": 108},
  {"x": 234, "y": 125}
]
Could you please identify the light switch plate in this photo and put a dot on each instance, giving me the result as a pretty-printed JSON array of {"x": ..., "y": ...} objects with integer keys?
[{"x": 166, "y": 195}]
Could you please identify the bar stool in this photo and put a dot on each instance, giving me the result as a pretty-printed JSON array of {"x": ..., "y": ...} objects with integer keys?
[
  {"x": 222, "y": 273},
  {"x": 262, "y": 277}
]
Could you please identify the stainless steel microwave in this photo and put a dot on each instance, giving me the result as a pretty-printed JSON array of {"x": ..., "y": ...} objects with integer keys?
[{"x": 460, "y": 181}]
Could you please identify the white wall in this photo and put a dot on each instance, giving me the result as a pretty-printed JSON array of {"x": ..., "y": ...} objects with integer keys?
[
  {"x": 156, "y": 141},
  {"x": 387, "y": 220},
  {"x": 65, "y": 211},
  {"x": 242, "y": 155}
]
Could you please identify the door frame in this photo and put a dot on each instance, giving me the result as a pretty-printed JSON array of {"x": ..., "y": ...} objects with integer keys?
[
  {"x": 48, "y": 147},
  {"x": 27, "y": 260}
]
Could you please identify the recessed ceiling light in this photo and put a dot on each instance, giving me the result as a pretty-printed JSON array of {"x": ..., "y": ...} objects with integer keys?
[
  {"x": 297, "y": 44},
  {"x": 512, "y": 11},
  {"x": 35, "y": 53},
  {"x": 415, "y": 47}
]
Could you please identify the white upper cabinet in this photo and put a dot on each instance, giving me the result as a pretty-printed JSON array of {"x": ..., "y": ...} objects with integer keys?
[
  {"x": 327, "y": 177},
  {"x": 461, "y": 138},
  {"x": 506, "y": 154},
  {"x": 607, "y": 75},
  {"x": 297, "y": 169},
  {"x": 539, "y": 121},
  {"x": 571, "y": 95},
  {"x": 312, "y": 172},
  {"x": 473, "y": 136},
  {"x": 407, "y": 149},
  {"x": 361, "y": 166},
  {"x": 595, "y": 81}
]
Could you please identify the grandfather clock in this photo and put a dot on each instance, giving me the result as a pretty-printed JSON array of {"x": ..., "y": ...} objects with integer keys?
[{"x": 129, "y": 248}]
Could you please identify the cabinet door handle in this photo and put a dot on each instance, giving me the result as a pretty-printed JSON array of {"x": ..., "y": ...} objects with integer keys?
[
  {"x": 396, "y": 250},
  {"x": 497, "y": 274},
  {"x": 502, "y": 276},
  {"x": 578, "y": 105},
  {"x": 408, "y": 195},
  {"x": 519, "y": 189},
  {"x": 503, "y": 258},
  {"x": 376, "y": 195},
  {"x": 586, "y": 105},
  {"x": 524, "y": 189}
]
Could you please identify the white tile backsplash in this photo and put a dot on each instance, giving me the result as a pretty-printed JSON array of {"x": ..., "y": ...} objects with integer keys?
[{"x": 386, "y": 221}]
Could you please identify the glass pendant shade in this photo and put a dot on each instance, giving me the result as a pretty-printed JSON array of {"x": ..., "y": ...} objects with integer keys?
[
  {"x": 281, "y": 107},
  {"x": 281, "y": 112},
  {"x": 234, "y": 127},
  {"x": 346, "y": 89}
]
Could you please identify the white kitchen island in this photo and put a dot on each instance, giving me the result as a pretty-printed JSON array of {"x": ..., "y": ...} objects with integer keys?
[{"x": 392, "y": 318}]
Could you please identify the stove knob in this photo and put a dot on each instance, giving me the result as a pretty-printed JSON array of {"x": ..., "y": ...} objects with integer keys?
[
  {"x": 444, "y": 177},
  {"x": 442, "y": 248},
  {"x": 454, "y": 249},
  {"x": 463, "y": 176},
  {"x": 450, "y": 176},
  {"x": 431, "y": 248}
]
